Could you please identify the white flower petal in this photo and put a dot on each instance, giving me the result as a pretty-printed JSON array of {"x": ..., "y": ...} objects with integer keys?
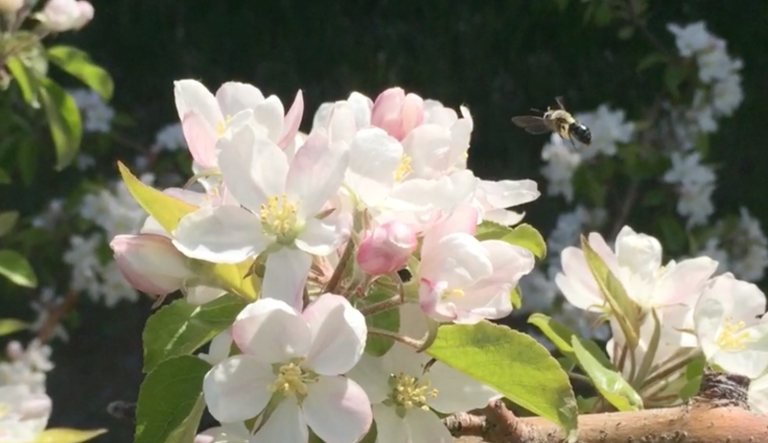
[
  {"x": 337, "y": 410},
  {"x": 191, "y": 95},
  {"x": 373, "y": 159},
  {"x": 220, "y": 234},
  {"x": 372, "y": 374},
  {"x": 316, "y": 173},
  {"x": 425, "y": 426},
  {"x": 270, "y": 113},
  {"x": 389, "y": 427},
  {"x": 253, "y": 167},
  {"x": 285, "y": 275},
  {"x": 322, "y": 237},
  {"x": 271, "y": 331},
  {"x": 455, "y": 391},
  {"x": 339, "y": 333},
  {"x": 234, "y": 97},
  {"x": 508, "y": 193},
  {"x": 285, "y": 425},
  {"x": 236, "y": 389}
]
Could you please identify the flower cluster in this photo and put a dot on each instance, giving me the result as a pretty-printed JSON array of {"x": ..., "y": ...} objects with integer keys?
[
  {"x": 677, "y": 312},
  {"x": 323, "y": 220},
  {"x": 24, "y": 404}
]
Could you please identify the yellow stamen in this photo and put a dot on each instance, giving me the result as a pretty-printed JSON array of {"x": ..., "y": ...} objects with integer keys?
[
  {"x": 731, "y": 336},
  {"x": 408, "y": 392},
  {"x": 452, "y": 293},
  {"x": 403, "y": 169},
  {"x": 291, "y": 380},
  {"x": 221, "y": 127},
  {"x": 278, "y": 216}
]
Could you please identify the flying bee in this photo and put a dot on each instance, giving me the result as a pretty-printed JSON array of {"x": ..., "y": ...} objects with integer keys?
[{"x": 556, "y": 120}]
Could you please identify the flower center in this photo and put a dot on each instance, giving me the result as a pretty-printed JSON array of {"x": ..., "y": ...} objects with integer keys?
[
  {"x": 221, "y": 127},
  {"x": 451, "y": 293},
  {"x": 403, "y": 169},
  {"x": 291, "y": 380},
  {"x": 278, "y": 216},
  {"x": 408, "y": 393},
  {"x": 732, "y": 337}
]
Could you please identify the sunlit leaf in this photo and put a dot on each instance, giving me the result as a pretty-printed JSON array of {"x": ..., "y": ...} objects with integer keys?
[
  {"x": 10, "y": 325},
  {"x": 63, "y": 121},
  {"x": 28, "y": 82},
  {"x": 488, "y": 230},
  {"x": 512, "y": 363},
  {"x": 526, "y": 236},
  {"x": 516, "y": 297},
  {"x": 181, "y": 328},
  {"x": 611, "y": 385},
  {"x": 16, "y": 268},
  {"x": 78, "y": 64},
  {"x": 171, "y": 401},
  {"x": 66, "y": 435}
]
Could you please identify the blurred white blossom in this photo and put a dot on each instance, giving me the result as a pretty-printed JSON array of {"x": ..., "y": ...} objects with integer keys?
[
  {"x": 169, "y": 138},
  {"x": 691, "y": 38},
  {"x": 26, "y": 366},
  {"x": 695, "y": 183},
  {"x": 98, "y": 115},
  {"x": 608, "y": 127},
  {"x": 46, "y": 303},
  {"x": 562, "y": 162}
]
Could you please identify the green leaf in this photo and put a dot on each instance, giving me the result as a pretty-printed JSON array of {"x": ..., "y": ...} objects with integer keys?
[
  {"x": 693, "y": 373},
  {"x": 66, "y": 435},
  {"x": 516, "y": 297},
  {"x": 16, "y": 269},
  {"x": 586, "y": 405},
  {"x": 63, "y": 121},
  {"x": 28, "y": 160},
  {"x": 528, "y": 237},
  {"x": 8, "y": 220},
  {"x": 388, "y": 320},
  {"x": 649, "y": 60},
  {"x": 168, "y": 211},
  {"x": 624, "y": 309},
  {"x": 674, "y": 75},
  {"x": 488, "y": 230},
  {"x": 180, "y": 328},
  {"x": 78, "y": 64},
  {"x": 5, "y": 178},
  {"x": 559, "y": 335},
  {"x": 28, "y": 82},
  {"x": 512, "y": 363},
  {"x": 171, "y": 401},
  {"x": 10, "y": 325},
  {"x": 609, "y": 383}
]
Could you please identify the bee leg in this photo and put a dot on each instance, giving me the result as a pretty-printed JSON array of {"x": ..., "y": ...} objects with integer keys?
[{"x": 573, "y": 143}]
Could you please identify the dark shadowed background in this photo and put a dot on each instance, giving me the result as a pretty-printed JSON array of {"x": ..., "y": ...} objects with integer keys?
[{"x": 500, "y": 58}]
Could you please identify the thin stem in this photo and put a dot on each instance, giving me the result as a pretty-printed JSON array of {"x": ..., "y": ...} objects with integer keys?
[
  {"x": 335, "y": 279},
  {"x": 580, "y": 377},
  {"x": 416, "y": 344},
  {"x": 382, "y": 306}
]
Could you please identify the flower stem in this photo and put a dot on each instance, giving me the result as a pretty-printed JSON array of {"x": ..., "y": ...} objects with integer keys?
[
  {"x": 382, "y": 306},
  {"x": 416, "y": 344},
  {"x": 335, "y": 279}
]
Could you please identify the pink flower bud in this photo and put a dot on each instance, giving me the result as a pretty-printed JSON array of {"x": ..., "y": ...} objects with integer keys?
[
  {"x": 60, "y": 15},
  {"x": 86, "y": 15},
  {"x": 10, "y": 6},
  {"x": 397, "y": 113},
  {"x": 150, "y": 263},
  {"x": 386, "y": 248}
]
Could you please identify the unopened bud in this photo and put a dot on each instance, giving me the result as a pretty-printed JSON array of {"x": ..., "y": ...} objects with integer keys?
[
  {"x": 150, "y": 263},
  {"x": 386, "y": 248},
  {"x": 397, "y": 113}
]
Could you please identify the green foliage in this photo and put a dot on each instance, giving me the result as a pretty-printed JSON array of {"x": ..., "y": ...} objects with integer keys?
[
  {"x": 8, "y": 220},
  {"x": 9, "y": 326},
  {"x": 523, "y": 235},
  {"x": 611, "y": 385},
  {"x": 512, "y": 363},
  {"x": 171, "y": 401},
  {"x": 180, "y": 328},
  {"x": 66, "y": 435},
  {"x": 388, "y": 320},
  {"x": 78, "y": 64},
  {"x": 63, "y": 121},
  {"x": 16, "y": 268}
]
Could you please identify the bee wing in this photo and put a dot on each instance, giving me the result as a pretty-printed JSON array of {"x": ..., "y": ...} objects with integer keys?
[
  {"x": 531, "y": 124},
  {"x": 559, "y": 99}
]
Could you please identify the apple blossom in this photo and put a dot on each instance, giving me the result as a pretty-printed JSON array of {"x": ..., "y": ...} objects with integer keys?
[
  {"x": 297, "y": 358},
  {"x": 205, "y": 117},
  {"x": 728, "y": 327},
  {"x": 465, "y": 280},
  {"x": 405, "y": 393},
  {"x": 279, "y": 201},
  {"x": 23, "y": 414},
  {"x": 86, "y": 15},
  {"x": 150, "y": 263},
  {"x": 60, "y": 15},
  {"x": 396, "y": 112},
  {"x": 386, "y": 248}
]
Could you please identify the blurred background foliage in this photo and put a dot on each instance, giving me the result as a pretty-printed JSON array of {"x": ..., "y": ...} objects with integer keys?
[{"x": 499, "y": 58}]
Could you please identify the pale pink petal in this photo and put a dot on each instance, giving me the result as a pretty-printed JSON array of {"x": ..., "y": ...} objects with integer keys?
[
  {"x": 458, "y": 258},
  {"x": 192, "y": 197},
  {"x": 510, "y": 263},
  {"x": 200, "y": 295},
  {"x": 337, "y": 410},
  {"x": 338, "y": 334},
  {"x": 292, "y": 120},
  {"x": 576, "y": 282},
  {"x": 426, "y": 426},
  {"x": 234, "y": 97},
  {"x": 683, "y": 283},
  {"x": 285, "y": 275},
  {"x": 508, "y": 193},
  {"x": 269, "y": 114},
  {"x": 271, "y": 331},
  {"x": 374, "y": 157},
  {"x": 456, "y": 392},
  {"x": 341, "y": 123},
  {"x": 428, "y": 148},
  {"x": 285, "y": 425},
  {"x": 201, "y": 139},
  {"x": 191, "y": 95},
  {"x": 463, "y": 219},
  {"x": 236, "y": 389},
  {"x": 220, "y": 234},
  {"x": 322, "y": 237},
  {"x": 316, "y": 173},
  {"x": 372, "y": 373},
  {"x": 390, "y": 428},
  {"x": 598, "y": 244},
  {"x": 253, "y": 167}
]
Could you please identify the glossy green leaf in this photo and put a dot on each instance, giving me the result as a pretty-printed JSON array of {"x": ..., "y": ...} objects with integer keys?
[
  {"x": 16, "y": 268},
  {"x": 609, "y": 383},
  {"x": 559, "y": 335},
  {"x": 623, "y": 308},
  {"x": 9, "y": 326},
  {"x": 66, "y": 435},
  {"x": 526, "y": 236},
  {"x": 516, "y": 297},
  {"x": 171, "y": 401},
  {"x": 78, "y": 64},
  {"x": 512, "y": 363},
  {"x": 63, "y": 120},
  {"x": 8, "y": 220},
  {"x": 488, "y": 230},
  {"x": 180, "y": 328},
  {"x": 28, "y": 82}
]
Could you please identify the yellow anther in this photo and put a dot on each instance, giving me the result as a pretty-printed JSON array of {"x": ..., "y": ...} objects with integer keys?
[
  {"x": 291, "y": 380},
  {"x": 278, "y": 216},
  {"x": 731, "y": 336},
  {"x": 452, "y": 293},
  {"x": 403, "y": 169},
  {"x": 408, "y": 392},
  {"x": 221, "y": 127}
]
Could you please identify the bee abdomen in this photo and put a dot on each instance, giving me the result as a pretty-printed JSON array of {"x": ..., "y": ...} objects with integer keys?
[{"x": 581, "y": 133}]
